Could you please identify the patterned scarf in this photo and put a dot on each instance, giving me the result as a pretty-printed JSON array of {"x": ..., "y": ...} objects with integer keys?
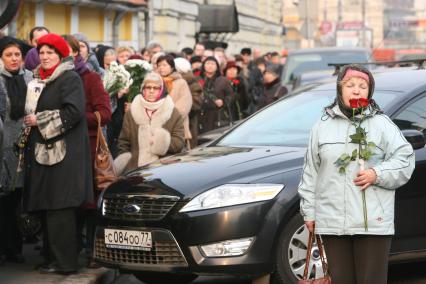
[{"x": 168, "y": 81}]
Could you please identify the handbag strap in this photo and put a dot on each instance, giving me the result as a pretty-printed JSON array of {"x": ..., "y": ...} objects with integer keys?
[
  {"x": 312, "y": 235},
  {"x": 322, "y": 255},
  {"x": 98, "y": 136}
]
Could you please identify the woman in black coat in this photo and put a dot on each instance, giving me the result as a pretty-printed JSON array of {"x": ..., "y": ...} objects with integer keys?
[
  {"x": 57, "y": 156},
  {"x": 216, "y": 106}
]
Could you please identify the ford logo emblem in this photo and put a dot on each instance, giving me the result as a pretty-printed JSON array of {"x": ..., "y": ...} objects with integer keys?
[{"x": 131, "y": 209}]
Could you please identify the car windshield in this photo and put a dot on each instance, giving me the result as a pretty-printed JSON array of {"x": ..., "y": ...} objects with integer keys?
[
  {"x": 289, "y": 121},
  {"x": 300, "y": 63}
]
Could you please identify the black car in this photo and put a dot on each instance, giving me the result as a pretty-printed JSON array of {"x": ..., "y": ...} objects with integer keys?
[{"x": 232, "y": 207}]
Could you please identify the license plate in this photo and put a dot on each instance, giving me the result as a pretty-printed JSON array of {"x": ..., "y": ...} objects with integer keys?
[{"x": 126, "y": 239}]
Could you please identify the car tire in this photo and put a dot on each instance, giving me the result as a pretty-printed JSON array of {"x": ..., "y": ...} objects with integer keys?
[
  {"x": 291, "y": 254},
  {"x": 151, "y": 278}
]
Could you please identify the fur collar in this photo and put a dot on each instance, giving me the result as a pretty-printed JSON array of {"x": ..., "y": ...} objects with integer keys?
[{"x": 159, "y": 117}]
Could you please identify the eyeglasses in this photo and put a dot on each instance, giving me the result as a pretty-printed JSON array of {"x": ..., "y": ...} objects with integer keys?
[{"x": 152, "y": 88}]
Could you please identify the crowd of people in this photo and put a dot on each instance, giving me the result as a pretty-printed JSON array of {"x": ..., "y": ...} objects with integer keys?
[{"x": 53, "y": 95}]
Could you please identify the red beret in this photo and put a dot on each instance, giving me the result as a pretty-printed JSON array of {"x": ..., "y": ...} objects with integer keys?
[{"x": 55, "y": 41}]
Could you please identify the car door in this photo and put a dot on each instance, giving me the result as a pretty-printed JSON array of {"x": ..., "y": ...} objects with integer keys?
[{"x": 410, "y": 204}]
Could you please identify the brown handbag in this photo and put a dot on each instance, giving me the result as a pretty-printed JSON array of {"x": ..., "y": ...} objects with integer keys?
[
  {"x": 103, "y": 169},
  {"x": 323, "y": 280}
]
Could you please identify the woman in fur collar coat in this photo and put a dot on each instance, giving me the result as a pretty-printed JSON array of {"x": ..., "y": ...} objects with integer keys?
[{"x": 151, "y": 129}]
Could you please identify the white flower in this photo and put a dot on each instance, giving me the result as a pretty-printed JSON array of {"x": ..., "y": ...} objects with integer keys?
[
  {"x": 140, "y": 63},
  {"x": 116, "y": 77}
]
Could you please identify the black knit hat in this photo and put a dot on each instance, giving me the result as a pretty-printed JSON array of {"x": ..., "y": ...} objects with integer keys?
[{"x": 8, "y": 40}]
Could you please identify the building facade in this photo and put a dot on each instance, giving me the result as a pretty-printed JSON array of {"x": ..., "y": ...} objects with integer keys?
[
  {"x": 333, "y": 22},
  {"x": 113, "y": 22},
  {"x": 173, "y": 23},
  {"x": 176, "y": 22}
]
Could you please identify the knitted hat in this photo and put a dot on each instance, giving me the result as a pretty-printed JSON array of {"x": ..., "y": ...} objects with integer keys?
[
  {"x": 182, "y": 65},
  {"x": 232, "y": 64},
  {"x": 8, "y": 40},
  {"x": 56, "y": 42}
]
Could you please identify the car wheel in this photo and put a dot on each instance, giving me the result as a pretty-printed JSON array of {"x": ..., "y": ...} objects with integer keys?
[
  {"x": 291, "y": 254},
  {"x": 151, "y": 278}
]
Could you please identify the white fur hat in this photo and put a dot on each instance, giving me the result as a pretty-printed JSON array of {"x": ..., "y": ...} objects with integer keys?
[{"x": 182, "y": 65}]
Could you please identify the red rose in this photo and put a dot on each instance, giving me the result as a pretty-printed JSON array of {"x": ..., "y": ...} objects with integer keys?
[
  {"x": 363, "y": 102},
  {"x": 357, "y": 103},
  {"x": 236, "y": 81},
  {"x": 201, "y": 82}
]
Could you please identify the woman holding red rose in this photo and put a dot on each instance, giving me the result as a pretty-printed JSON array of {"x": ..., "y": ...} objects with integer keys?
[
  {"x": 240, "y": 100},
  {"x": 355, "y": 160}
]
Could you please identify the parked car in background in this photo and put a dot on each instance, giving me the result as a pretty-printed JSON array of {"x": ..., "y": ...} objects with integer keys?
[
  {"x": 231, "y": 207},
  {"x": 317, "y": 59}
]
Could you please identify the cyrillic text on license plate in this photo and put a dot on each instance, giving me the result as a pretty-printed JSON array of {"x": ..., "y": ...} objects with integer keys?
[{"x": 126, "y": 239}]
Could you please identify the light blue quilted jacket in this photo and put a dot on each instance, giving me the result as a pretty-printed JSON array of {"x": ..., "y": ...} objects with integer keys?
[{"x": 330, "y": 198}]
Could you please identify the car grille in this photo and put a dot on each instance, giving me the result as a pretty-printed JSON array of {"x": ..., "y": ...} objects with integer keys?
[
  {"x": 165, "y": 251},
  {"x": 149, "y": 207}
]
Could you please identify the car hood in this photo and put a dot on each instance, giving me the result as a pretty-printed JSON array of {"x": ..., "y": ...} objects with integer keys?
[{"x": 188, "y": 174}]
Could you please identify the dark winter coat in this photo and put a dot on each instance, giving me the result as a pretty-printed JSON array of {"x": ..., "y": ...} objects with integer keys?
[
  {"x": 11, "y": 129},
  {"x": 241, "y": 100},
  {"x": 67, "y": 183},
  {"x": 197, "y": 100},
  {"x": 273, "y": 91},
  {"x": 213, "y": 117},
  {"x": 97, "y": 99}
]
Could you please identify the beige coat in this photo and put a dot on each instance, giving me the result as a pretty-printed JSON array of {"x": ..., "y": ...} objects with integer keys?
[
  {"x": 165, "y": 129},
  {"x": 182, "y": 98}
]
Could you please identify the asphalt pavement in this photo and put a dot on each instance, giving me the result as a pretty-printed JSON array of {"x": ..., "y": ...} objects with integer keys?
[
  {"x": 10, "y": 273},
  {"x": 26, "y": 273},
  {"x": 407, "y": 273}
]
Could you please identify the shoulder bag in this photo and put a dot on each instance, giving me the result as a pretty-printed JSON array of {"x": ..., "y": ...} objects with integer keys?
[
  {"x": 327, "y": 278},
  {"x": 103, "y": 169}
]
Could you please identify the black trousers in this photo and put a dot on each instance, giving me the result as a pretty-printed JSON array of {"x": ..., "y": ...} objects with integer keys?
[
  {"x": 60, "y": 238},
  {"x": 86, "y": 219},
  {"x": 10, "y": 235},
  {"x": 359, "y": 259}
]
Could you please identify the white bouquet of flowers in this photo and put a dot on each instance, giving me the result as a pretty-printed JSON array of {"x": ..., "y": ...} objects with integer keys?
[
  {"x": 138, "y": 69},
  {"x": 116, "y": 78}
]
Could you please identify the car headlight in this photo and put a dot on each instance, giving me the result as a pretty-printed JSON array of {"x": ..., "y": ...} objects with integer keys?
[{"x": 232, "y": 194}]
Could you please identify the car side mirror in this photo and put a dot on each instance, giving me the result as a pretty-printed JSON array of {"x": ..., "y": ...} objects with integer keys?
[{"x": 415, "y": 138}]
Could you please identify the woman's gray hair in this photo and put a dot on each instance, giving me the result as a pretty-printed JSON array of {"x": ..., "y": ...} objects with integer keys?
[{"x": 152, "y": 77}]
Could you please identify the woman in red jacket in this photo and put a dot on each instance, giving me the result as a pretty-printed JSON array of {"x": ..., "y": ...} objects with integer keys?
[{"x": 97, "y": 100}]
